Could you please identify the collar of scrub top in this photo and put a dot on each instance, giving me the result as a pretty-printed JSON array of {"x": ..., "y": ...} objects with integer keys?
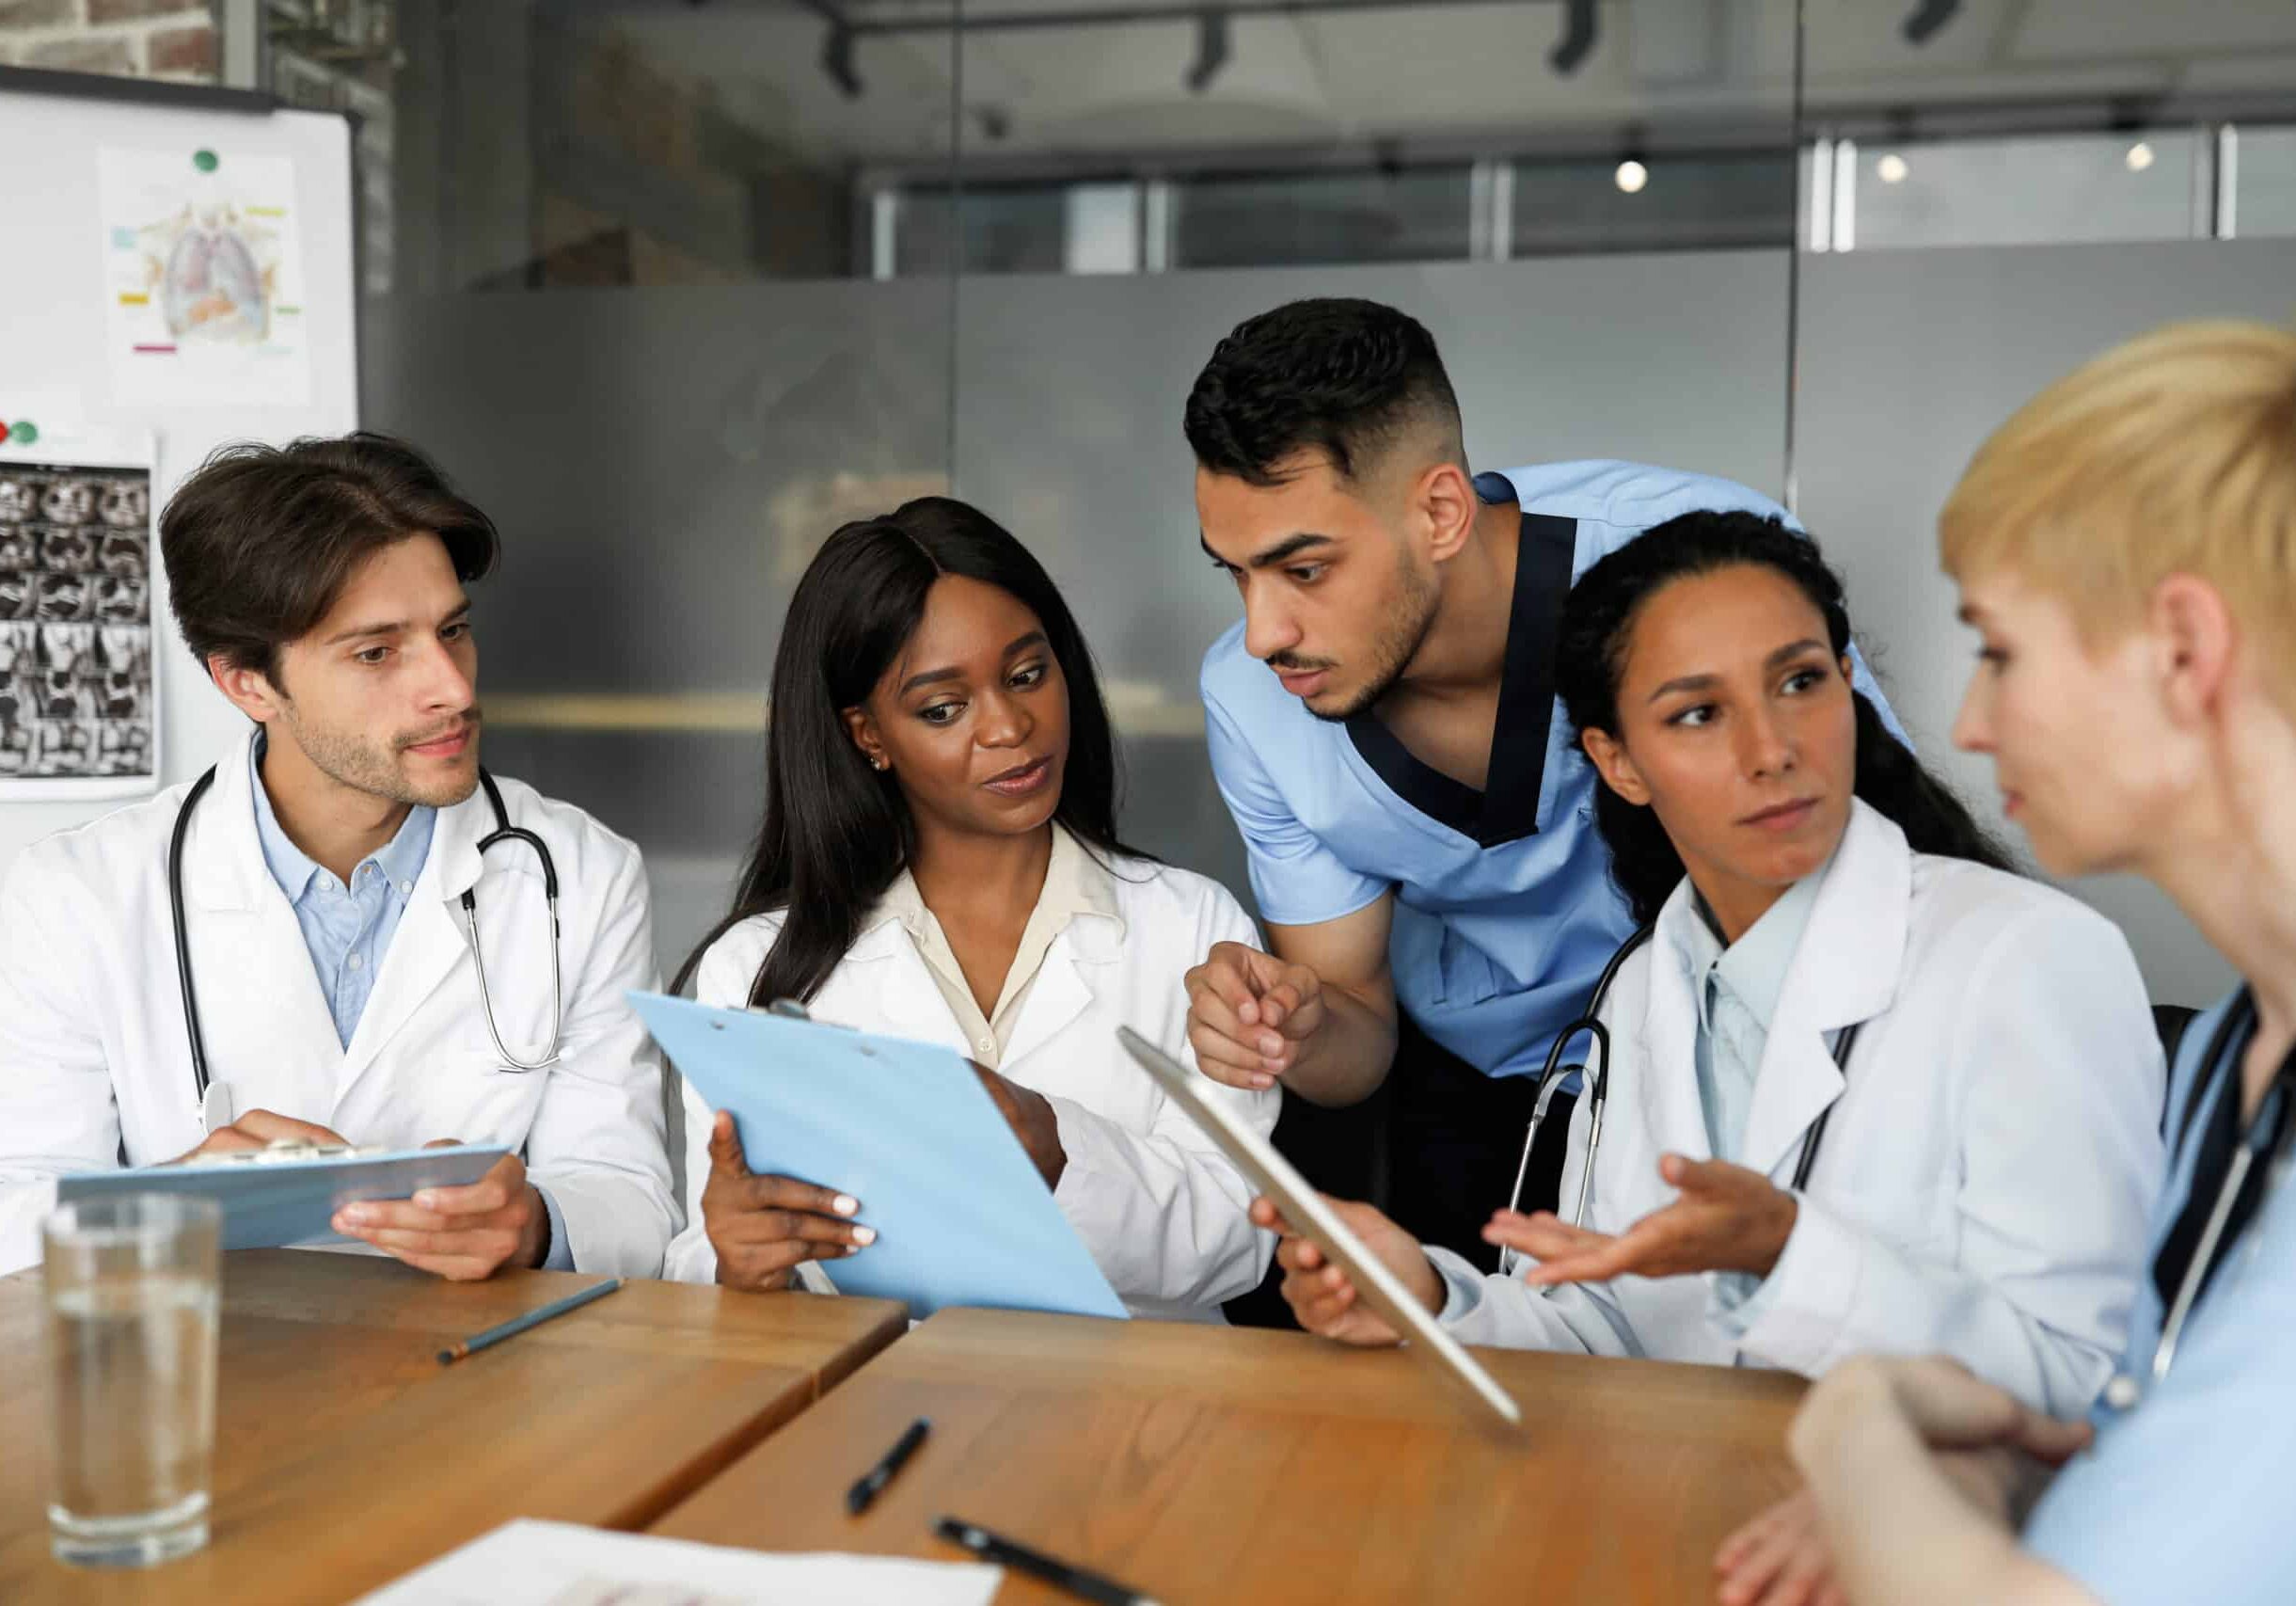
[
  {"x": 399, "y": 860},
  {"x": 2222, "y": 1136},
  {"x": 1508, "y": 807}
]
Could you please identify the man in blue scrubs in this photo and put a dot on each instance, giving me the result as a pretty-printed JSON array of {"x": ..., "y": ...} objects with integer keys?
[{"x": 1383, "y": 723}]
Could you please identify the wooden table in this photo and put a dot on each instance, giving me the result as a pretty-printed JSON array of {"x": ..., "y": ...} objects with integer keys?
[
  {"x": 345, "y": 1455},
  {"x": 1202, "y": 1464}
]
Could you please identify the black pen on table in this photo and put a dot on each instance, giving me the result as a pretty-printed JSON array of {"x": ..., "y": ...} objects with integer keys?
[
  {"x": 1084, "y": 1585},
  {"x": 534, "y": 1318},
  {"x": 872, "y": 1483}
]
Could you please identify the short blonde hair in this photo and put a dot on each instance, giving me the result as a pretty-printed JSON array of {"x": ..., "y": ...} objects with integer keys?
[{"x": 2174, "y": 454}]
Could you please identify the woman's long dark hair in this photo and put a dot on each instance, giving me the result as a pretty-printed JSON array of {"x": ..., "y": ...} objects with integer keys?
[
  {"x": 1599, "y": 621},
  {"x": 837, "y": 831}
]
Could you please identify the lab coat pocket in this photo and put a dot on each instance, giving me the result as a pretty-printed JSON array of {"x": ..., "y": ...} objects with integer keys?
[{"x": 498, "y": 1099}]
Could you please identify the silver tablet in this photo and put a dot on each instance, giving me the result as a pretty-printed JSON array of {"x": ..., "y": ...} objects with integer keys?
[{"x": 1305, "y": 1209}]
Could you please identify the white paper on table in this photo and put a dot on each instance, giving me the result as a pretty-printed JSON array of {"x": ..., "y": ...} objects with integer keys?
[{"x": 559, "y": 1564}]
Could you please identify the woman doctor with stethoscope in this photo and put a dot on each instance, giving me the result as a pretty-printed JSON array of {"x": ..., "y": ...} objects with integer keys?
[{"x": 1865, "y": 1088}]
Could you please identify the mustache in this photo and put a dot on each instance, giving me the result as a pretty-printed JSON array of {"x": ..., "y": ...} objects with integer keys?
[
  {"x": 468, "y": 720},
  {"x": 1299, "y": 665}
]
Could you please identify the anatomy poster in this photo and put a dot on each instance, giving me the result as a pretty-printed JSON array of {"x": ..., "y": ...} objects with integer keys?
[
  {"x": 203, "y": 277},
  {"x": 79, "y": 710}
]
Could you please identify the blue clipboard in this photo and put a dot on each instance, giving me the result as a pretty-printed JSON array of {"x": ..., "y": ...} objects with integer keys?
[
  {"x": 961, "y": 1214},
  {"x": 271, "y": 1202}
]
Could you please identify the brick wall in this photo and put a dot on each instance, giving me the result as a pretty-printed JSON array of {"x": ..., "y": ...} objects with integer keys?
[{"x": 130, "y": 38}]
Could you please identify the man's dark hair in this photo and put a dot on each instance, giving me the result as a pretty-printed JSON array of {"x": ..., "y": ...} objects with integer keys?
[
  {"x": 260, "y": 541},
  {"x": 1344, "y": 377}
]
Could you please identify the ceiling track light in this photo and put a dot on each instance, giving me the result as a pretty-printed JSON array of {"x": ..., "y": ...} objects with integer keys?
[
  {"x": 1577, "y": 42},
  {"x": 1211, "y": 51},
  {"x": 1928, "y": 18}
]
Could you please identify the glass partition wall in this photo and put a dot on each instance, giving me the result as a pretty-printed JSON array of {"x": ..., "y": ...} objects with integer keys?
[
  {"x": 676, "y": 286},
  {"x": 1994, "y": 197}
]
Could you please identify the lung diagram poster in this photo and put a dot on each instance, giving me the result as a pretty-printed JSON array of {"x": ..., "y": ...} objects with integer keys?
[{"x": 202, "y": 277}]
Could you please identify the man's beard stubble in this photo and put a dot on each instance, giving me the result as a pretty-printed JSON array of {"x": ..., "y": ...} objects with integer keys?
[
  {"x": 360, "y": 764},
  {"x": 1390, "y": 654}
]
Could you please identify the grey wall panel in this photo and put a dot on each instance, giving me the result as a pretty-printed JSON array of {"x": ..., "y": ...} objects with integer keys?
[
  {"x": 1067, "y": 429},
  {"x": 1908, "y": 360},
  {"x": 663, "y": 464}
]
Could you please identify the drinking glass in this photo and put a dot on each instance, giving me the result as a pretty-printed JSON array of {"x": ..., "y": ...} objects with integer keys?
[{"x": 133, "y": 1286}]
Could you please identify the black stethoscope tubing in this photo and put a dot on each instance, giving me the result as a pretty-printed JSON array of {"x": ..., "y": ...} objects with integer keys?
[
  {"x": 505, "y": 832},
  {"x": 1598, "y": 1089}
]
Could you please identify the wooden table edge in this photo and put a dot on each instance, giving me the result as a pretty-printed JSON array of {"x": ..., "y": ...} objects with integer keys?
[{"x": 650, "y": 1506}]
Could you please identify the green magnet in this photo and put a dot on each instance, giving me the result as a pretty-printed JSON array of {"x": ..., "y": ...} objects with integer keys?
[
  {"x": 206, "y": 161},
  {"x": 23, "y": 432}
]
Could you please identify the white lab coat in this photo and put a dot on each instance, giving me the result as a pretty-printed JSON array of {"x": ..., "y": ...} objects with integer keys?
[
  {"x": 95, "y": 1065},
  {"x": 1984, "y": 1185},
  {"x": 1159, "y": 1207}
]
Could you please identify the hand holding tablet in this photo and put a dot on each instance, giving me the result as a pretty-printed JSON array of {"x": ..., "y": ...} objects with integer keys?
[{"x": 1318, "y": 1220}]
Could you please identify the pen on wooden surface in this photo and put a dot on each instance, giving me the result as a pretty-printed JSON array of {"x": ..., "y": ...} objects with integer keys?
[
  {"x": 873, "y": 1482},
  {"x": 1083, "y": 1584},
  {"x": 534, "y": 1318}
]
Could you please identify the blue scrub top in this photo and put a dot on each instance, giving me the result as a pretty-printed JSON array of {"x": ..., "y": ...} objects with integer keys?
[
  {"x": 2185, "y": 1496},
  {"x": 1505, "y": 909}
]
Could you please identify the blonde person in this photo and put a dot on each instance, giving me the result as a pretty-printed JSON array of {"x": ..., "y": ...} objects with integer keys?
[{"x": 2126, "y": 547}]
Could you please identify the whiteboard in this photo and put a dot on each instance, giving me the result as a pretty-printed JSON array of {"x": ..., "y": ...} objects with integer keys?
[{"x": 55, "y": 332}]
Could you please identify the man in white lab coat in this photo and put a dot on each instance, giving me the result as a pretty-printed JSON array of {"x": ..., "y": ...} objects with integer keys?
[{"x": 328, "y": 864}]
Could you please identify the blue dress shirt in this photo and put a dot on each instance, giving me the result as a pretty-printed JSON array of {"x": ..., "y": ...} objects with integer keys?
[
  {"x": 1504, "y": 906},
  {"x": 1736, "y": 989},
  {"x": 348, "y": 929}
]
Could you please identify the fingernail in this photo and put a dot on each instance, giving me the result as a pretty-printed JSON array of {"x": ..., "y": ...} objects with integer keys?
[
  {"x": 845, "y": 1204},
  {"x": 426, "y": 1200},
  {"x": 355, "y": 1215},
  {"x": 1270, "y": 1044},
  {"x": 865, "y": 1235},
  {"x": 1263, "y": 1082}
]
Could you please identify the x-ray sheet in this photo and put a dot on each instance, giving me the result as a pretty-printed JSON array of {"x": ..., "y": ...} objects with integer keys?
[
  {"x": 202, "y": 269},
  {"x": 79, "y": 706}
]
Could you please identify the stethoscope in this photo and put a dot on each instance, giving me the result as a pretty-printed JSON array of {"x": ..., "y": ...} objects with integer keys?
[
  {"x": 505, "y": 832},
  {"x": 1597, "y": 1085},
  {"x": 2265, "y": 1141}
]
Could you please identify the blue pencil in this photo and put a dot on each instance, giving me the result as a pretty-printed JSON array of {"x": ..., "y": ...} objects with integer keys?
[{"x": 534, "y": 1318}]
